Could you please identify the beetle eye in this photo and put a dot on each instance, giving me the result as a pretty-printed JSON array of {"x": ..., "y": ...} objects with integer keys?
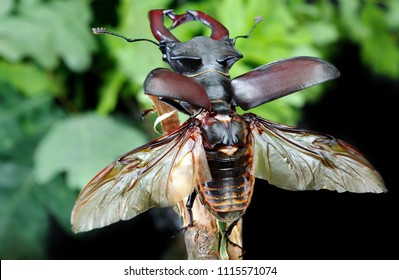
[
  {"x": 186, "y": 63},
  {"x": 228, "y": 61}
]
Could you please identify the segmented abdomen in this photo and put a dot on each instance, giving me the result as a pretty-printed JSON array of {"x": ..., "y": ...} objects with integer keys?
[{"x": 229, "y": 193}]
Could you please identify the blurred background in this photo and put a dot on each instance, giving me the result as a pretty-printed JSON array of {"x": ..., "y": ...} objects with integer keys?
[{"x": 70, "y": 103}]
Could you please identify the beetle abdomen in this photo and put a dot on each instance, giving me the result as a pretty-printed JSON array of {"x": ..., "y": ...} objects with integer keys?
[{"x": 229, "y": 193}]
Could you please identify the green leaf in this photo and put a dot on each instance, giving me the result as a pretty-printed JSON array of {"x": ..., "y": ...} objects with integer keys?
[
  {"x": 48, "y": 32},
  {"x": 349, "y": 12},
  {"x": 322, "y": 33},
  {"x": 392, "y": 14},
  {"x": 22, "y": 120},
  {"x": 58, "y": 200},
  {"x": 23, "y": 222},
  {"x": 109, "y": 92},
  {"x": 136, "y": 60},
  {"x": 383, "y": 62},
  {"x": 386, "y": 62},
  {"x": 6, "y": 6},
  {"x": 81, "y": 146},
  {"x": 27, "y": 78},
  {"x": 23, "y": 218},
  {"x": 224, "y": 255}
]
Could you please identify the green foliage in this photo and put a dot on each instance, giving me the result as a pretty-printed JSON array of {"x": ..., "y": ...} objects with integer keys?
[
  {"x": 23, "y": 218},
  {"x": 223, "y": 242},
  {"x": 133, "y": 61},
  {"x": 75, "y": 146},
  {"x": 54, "y": 73},
  {"x": 47, "y": 32},
  {"x": 375, "y": 28},
  {"x": 27, "y": 78}
]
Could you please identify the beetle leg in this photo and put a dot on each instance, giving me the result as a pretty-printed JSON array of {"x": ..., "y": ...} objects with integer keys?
[
  {"x": 227, "y": 233},
  {"x": 229, "y": 229},
  {"x": 145, "y": 113},
  {"x": 175, "y": 105},
  {"x": 189, "y": 206}
]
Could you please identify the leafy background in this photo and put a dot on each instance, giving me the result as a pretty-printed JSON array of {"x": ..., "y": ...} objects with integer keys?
[{"x": 70, "y": 103}]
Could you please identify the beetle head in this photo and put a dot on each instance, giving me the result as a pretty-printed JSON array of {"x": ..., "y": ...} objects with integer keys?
[{"x": 200, "y": 54}]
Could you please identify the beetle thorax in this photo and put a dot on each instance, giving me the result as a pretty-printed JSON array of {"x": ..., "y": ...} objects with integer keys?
[{"x": 220, "y": 130}]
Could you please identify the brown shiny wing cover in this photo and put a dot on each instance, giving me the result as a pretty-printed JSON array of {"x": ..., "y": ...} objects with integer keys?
[{"x": 280, "y": 78}]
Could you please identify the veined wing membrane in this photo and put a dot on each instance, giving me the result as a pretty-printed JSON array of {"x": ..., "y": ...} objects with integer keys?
[
  {"x": 158, "y": 174},
  {"x": 296, "y": 159}
]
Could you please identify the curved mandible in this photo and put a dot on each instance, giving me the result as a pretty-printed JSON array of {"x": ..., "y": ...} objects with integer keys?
[
  {"x": 161, "y": 33},
  {"x": 158, "y": 29},
  {"x": 179, "y": 19},
  {"x": 219, "y": 32}
]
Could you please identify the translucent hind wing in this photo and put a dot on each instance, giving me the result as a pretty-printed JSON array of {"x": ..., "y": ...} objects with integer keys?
[
  {"x": 296, "y": 159},
  {"x": 158, "y": 174}
]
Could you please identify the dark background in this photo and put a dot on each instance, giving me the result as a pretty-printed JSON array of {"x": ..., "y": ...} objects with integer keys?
[{"x": 359, "y": 108}]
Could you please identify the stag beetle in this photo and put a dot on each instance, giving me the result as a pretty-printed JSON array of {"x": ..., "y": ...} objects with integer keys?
[{"x": 217, "y": 153}]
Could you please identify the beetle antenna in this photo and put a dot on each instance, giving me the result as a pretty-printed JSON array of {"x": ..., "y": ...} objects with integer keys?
[
  {"x": 257, "y": 20},
  {"x": 102, "y": 30}
]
